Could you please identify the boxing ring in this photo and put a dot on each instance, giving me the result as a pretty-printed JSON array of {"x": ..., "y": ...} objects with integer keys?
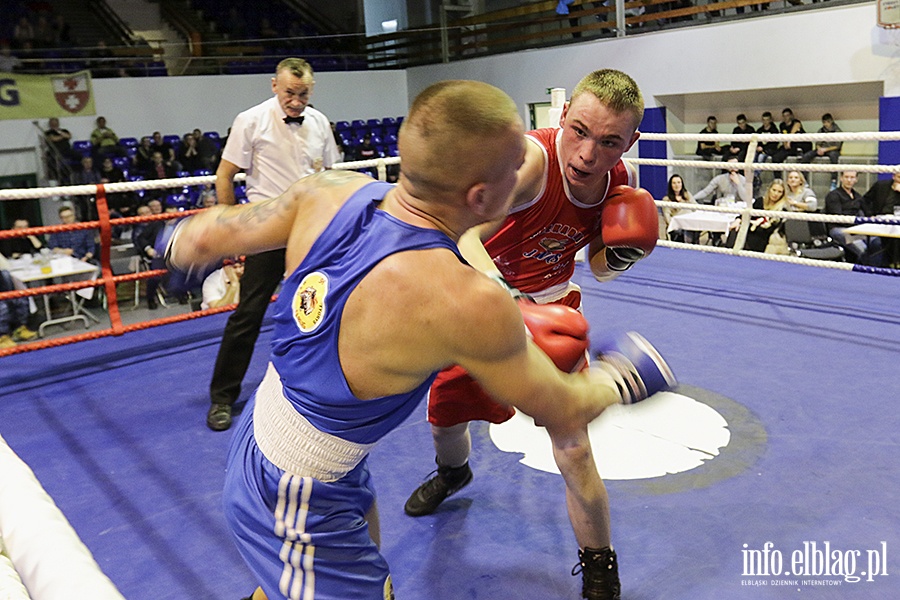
[{"x": 798, "y": 362}]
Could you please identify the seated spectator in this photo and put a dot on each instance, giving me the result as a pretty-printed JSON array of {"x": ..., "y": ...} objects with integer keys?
[
  {"x": 800, "y": 197},
  {"x": 9, "y": 63},
  {"x": 19, "y": 246},
  {"x": 767, "y": 150},
  {"x": 709, "y": 150},
  {"x": 883, "y": 198},
  {"x": 146, "y": 241},
  {"x": 223, "y": 286},
  {"x": 789, "y": 125},
  {"x": 762, "y": 230},
  {"x": 159, "y": 144},
  {"x": 14, "y": 314},
  {"x": 730, "y": 186},
  {"x": 121, "y": 204},
  {"x": 62, "y": 32},
  {"x": 845, "y": 200},
  {"x": 209, "y": 152},
  {"x": 23, "y": 32},
  {"x": 77, "y": 243},
  {"x": 831, "y": 149},
  {"x": 739, "y": 149},
  {"x": 207, "y": 197},
  {"x": 143, "y": 157},
  {"x": 189, "y": 154},
  {"x": 105, "y": 142},
  {"x": 677, "y": 193},
  {"x": 366, "y": 150},
  {"x": 141, "y": 211},
  {"x": 158, "y": 167},
  {"x": 102, "y": 61},
  {"x": 60, "y": 151}
]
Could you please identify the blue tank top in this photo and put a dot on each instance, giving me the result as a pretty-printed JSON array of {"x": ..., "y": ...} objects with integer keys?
[{"x": 308, "y": 316}]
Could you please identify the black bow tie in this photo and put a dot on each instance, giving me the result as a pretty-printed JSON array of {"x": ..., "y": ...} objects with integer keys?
[{"x": 297, "y": 120}]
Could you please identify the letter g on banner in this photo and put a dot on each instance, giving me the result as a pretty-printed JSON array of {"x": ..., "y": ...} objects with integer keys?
[{"x": 9, "y": 94}]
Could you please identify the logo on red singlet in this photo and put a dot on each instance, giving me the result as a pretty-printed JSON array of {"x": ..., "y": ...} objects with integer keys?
[{"x": 308, "y": 304}]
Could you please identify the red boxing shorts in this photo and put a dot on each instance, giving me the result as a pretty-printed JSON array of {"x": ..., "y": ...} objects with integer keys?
[{"x": 456, "y": 398}]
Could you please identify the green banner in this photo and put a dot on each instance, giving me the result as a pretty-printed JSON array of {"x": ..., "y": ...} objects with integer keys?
[{"x": 44, "y": 96}]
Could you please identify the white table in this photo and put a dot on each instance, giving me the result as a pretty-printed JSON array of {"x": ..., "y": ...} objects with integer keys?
[
  {"x": 66, "y": 269},
  {"x": 702, "y": 220},
  {"x": 876, "y": 229}
]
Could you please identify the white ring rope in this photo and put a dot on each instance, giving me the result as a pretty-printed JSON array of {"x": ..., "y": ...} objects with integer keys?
[
  {"x": 744, "y": 213},
  {"x": 838, "y": 136}
]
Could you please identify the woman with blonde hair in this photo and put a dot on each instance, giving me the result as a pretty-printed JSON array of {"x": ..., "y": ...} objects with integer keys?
[
  {"x": 800, "y": 197},
  {"x": 765, "y": 231}
]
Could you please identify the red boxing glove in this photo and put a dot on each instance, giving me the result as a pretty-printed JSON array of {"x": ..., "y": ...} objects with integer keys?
[
  {"x": 629, "y": 226},
  {"x": 560, "y": 331}
]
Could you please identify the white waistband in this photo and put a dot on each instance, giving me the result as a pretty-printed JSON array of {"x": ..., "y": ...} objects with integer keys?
[
  {"x": 555, "y": 292},
  {"x": 292, "y": 443}
]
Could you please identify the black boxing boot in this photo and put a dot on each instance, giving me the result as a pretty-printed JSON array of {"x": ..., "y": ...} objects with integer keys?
[
  {"x": 428, "y": 496},
  {"x": 599, "y": 573}
]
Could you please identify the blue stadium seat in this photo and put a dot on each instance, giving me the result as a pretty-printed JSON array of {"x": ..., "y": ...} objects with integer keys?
[
  {"x": 129, "y": 142},
  {"x": 83, "y": 147},
  {"x": 182, "y": 174},
  {"x": 202, "y": 172},
  {"x": 179, "y": 201}
]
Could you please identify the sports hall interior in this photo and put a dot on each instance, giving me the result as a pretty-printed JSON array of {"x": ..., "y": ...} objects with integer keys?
[{"x": 797, "y": 360}]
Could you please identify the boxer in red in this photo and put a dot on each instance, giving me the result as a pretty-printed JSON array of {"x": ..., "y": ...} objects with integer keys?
[{"x": 573, "y": 191}]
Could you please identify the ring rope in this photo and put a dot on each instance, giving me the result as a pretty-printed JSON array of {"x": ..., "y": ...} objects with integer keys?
[
  {"x": 105, "y": 223},
  {"x": 838, "y": 136}
]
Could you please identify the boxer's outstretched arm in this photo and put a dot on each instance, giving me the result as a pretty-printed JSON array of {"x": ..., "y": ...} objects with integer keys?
[{"x": 265, "y": 225}]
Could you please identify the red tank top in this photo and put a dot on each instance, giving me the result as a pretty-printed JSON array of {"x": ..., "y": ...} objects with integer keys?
[{"x": 536, "y": 245}]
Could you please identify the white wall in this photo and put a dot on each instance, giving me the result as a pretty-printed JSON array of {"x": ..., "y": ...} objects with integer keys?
[
  {"x": 175, "y": 105},
  {"x": 839, "y": 45},
  {"x": 821, "y": 47}
]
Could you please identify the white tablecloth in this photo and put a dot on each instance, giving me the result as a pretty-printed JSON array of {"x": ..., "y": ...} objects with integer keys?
[{"x": 702, "y": 220}]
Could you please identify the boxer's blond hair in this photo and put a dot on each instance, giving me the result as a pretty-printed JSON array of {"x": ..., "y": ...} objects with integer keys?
[
  {"x": 448, "y": 139},
  {"x": 615, "y": 89}
]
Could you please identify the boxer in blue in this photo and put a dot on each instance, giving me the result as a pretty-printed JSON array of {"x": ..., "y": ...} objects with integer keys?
[{"x": 376, "y": 301}]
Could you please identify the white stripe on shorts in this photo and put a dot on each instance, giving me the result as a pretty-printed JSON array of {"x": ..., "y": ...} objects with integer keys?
[{"x": 291, "y": 511}]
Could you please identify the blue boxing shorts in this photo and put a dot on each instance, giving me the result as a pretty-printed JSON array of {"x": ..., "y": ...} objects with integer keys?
[{"x": 303, "y": 538}]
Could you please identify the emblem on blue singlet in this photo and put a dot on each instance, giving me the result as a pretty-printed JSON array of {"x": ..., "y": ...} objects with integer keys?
[{"x": 308, "y": 304}]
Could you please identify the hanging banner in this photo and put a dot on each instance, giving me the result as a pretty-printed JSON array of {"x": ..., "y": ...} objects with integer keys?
[{"x": 45, "y": 96}]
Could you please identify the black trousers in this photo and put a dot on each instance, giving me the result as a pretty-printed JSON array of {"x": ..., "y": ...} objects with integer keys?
[{"x": 262, "y": 274}]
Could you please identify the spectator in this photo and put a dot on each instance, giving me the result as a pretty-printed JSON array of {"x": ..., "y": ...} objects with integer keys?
[
  {"x": 102, "y": 61},
  {"x": 207, "y": 197},
  {"x": 86, "y": 175},
  {"x": 23, "y": 32},
  {"x": 800, "y": 197},
  {"x": 223, "y": 286},
  {"x": 9, "y": 63},
  {"x": 208, "y": 151},
  {"x": 831, "y": 149},
  {"x": 767, "y": 149},
  {"x": 709, "y": 150},
  {"x": 104, "y": 141},
  {"x": 762, "y": 233},
  {"x": 121, "y": 204},
  {"x": 146, "y": 241},
  {"x": 77, "y": 243},
  {"x": 62, "y": 32},
  {"x": 142, "y": 210},
  {"x": 739, "y": 149},
  {"x": 789, "y": 125},
  {"x": 60, "y": 152},
  {"x": 18, "y": 246},
  {"x": 677, "y": 193},
  {"x": 366, "y": 150},
  {"x": 845, "y": 200},
  {"x": 165, "y": 149},
  {"x": 13, "y": 315},
  {"x": 883, "y": 198},
  {"x": 730, "y": 186},
  {"x": 143, "y": 158},
  {"x": 188, "y": 155}
]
